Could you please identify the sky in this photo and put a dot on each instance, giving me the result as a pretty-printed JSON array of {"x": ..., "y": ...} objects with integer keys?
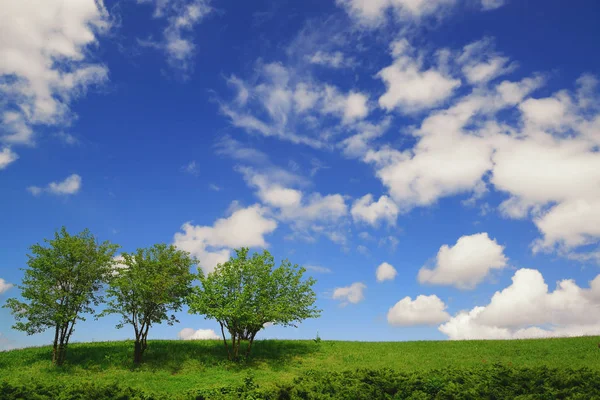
[{"x": 433, "y": 164}]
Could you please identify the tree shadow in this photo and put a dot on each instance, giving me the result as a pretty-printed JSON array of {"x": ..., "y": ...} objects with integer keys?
[{"x": 174, "y": 355}]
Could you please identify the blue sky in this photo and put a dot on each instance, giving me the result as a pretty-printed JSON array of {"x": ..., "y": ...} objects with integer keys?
[{"x": 433, "y": 163}]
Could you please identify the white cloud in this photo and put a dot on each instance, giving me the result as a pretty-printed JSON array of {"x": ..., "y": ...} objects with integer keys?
[
  {"x": 410, "y": 88},
  {"x": 467, "y": 263},
  {"x": 191, "y": 168},
  {"x": 292, "y": 204},
  {"x": 200, "y": 334},
  {"x": 492, "y": 4},
  {"x": 350, "y": 294},
  {"x": 288, "y": 104},
  {"x": 71, "y": 185},
  {"x": 366, "y": 210},
  {"x": 372, "y": 13},
  {"x": 559, "y": 182},
  {"x": 4, "y": 286},
  {"x": 316, "y": 268},
  {"x": 448, "y": 159},
  {"x": 527, "y": 309},
  {"x": 44, "y": 56},
  {"x": 67, "y": 138},
  {"x": 333, "y": 60},
  {"x": 424, "y": 310},
  {"x": 385, "y": 272},
  {"x": 366, "y": 236},
  {"x": 182, "y": 16},
  {"x": 390, "y": 241},
  {"x": 35, "y": 190},
  {"x": 212, "y": 244},
  {"x": 481, "y": 64},
  {"x": 440, "y": 165},
  {"x": 7, "y": 157}
]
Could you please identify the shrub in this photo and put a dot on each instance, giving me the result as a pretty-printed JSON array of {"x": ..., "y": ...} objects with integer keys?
[{"x": 488, "y": 382}]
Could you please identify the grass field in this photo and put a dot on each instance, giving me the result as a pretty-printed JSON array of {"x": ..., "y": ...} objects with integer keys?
[{"x": 177, "y": 366}]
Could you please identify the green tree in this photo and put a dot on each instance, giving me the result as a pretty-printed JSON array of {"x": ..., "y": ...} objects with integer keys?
[
  {"x": 151, "y": 284},
  {"x": 245, "y": 293},
  {"x": 62, "y": 282}
]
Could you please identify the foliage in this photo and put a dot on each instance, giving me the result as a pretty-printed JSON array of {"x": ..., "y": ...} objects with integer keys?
[
  {"x": 62, "y": 283},
  {"x": 489, "y": 382},
  {"x": 317, "y": 339},
  {"x": 245, "y": 293},
  {"x": 152, "y": 283},
  {"x": 181, "y": 369}
]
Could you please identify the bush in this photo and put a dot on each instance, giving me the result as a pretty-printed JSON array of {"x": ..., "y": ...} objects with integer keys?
[
  {"x": 495, "y": 382},
  {"x": 489, "y": 382}
]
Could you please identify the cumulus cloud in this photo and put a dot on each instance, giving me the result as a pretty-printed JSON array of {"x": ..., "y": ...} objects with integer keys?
[
  {"x": 7, "y": 157},
  {"x": 372, "y": 13},
  {"x": 212, "y": 244},
  {"x": 448, "y": 158},
  {"x": 366, "y": 210},
  {"x": 410, "y": 88},
  {"x": 44, "y": 61},
  {"x": 4, "y": 286},
  {"x": 200, "y": 334},
  {"x": 350, "y": 294},
  {"x": 559, "y": 183},
  {"x": 467, "y": 263},
  {"x": 306, "y": 212},
  {"x": 69, "y": 186},
  {"x": 385, "y": 272},
  {"x": 424, "y": 310},
  {"x": 528, "y": 309}
]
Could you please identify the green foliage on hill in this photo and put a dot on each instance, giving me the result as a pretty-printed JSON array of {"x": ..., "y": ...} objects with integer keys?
[{"x": 523, "y": 369}]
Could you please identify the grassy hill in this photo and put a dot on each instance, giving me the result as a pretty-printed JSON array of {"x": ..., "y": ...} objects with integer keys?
[{"x": 179, "y": 366}]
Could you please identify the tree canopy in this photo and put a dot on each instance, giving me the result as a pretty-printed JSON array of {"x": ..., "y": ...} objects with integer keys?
[
  {"x": 150, "y": 285},
  {"x": 246, "y": 292},
  {"x": 62, "y": 282}
]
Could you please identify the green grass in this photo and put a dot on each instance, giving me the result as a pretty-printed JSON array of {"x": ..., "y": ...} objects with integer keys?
[{"x": 177, "y": 366}]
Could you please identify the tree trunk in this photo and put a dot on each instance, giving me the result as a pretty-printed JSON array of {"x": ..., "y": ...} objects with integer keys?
[
  {"x": 55, "y": 353},
  {"x": 137, "y": 353},
  {"x": 251, "y": 340},
  {"x": 225, "y": 341},
  {"x": 237, "y": 348},
  {"x": 55, "y": 347},
  {"x": 62, "y": 354}
]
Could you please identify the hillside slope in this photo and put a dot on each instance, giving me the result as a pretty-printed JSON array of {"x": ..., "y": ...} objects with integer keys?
[{"x": 179, "y": 366}]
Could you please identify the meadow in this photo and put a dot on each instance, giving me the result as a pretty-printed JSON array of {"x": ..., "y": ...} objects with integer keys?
[{"x": 200, "y": 369}]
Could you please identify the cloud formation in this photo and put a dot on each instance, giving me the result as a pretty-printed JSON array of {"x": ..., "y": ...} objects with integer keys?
[
  {"x": 527, "y": 309},
  {"x": 385, "y": 272},
  {"x": 7, "y": 157},
  {"x": 212, "y": 245},
  {"x": 424, "y": 310},
  {"x": 371, "y": 212},
  {"x": 45, "y": 62},
  {"x": 69, "y": 186},
  {"x": 200, "y": 334},
  {"x": 4, "y": 286},
  {"x": 467, "y": 263},
  {"x": 182, "y": 16},
  {"x": 350, "y": 294}
]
